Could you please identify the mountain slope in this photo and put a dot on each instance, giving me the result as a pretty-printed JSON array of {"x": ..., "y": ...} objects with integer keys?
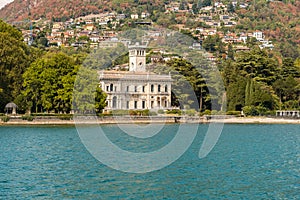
[{"x": 20, "y": 9}]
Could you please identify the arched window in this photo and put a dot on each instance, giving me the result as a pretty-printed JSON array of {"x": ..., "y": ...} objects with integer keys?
[
  {"x": 166, "y": 88},
  {"x": 152, "y": 88},
  {"x": 158, "y": 88},
  {"x": 114, "y": 103}
]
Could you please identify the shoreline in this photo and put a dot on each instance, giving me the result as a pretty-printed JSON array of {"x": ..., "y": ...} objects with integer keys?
[{"x": 153, "y": 120}]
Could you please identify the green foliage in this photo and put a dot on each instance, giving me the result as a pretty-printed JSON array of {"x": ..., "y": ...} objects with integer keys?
[
  {"x": 48, "y": 83},
  {"x": 139, "y": 112},
  {"x": 190, "y": 112},
  {"x": 206, "y": 112},
  {"x": 174, "y": 111},
  {"x": 233, "y": 112},
  {"x": 288, "y": 90},
  {"x": 5, "y": 118},
  {"x": 161, "y": 111},
  {"x": 65, "y": 117},
  {"x": 250, "y": 111},
  {"x": 189, "y": 90},
  {"x": 119, "y": 112},
  {"x": 28, "y": 117},
  {"x": 13, "y": 62},
  {"x": 213, "y": 44}
]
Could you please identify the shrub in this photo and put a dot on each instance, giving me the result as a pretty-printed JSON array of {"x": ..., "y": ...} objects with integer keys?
[
  {"x": 120, "y": 112},
  {"x": 214, "y": 112},
  {"x": 5, "y": 118},
  {"x": 28, "y": 117},
  {"x": 190, "y": 112},
  {"x": 152, "y": 113},
  {"x": 232, "y": 112},
  {"x": 161, "y": 111},
  {"x": 207, "y": 112},
  {"x": 250, "y": 111},
  {"x": 65, "y": 117},
  {"x": 174, "y": 111}
]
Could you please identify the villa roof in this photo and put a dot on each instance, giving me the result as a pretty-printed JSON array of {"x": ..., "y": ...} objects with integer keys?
[{"x": 133, "y": 76}]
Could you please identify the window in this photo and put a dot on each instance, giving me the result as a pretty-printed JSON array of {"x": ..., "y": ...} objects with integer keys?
[
  {"x": 158, "y": 89},
  {"x": 111, "y": 87},
  {"x": 166, "y": 88},
  {"x": 135, "y": 104},
  {"x": 143, "y": 104},
  {"x": 152, "y": 88},
  {"x": 143, "y": 89},
  {"x": 127, "y": 89},
  {"x": 135, "y": 88},
  {"x": 114, "y": 104},
  {"x": 127, "y": 104},
  {"x": 107, "y": 88}
]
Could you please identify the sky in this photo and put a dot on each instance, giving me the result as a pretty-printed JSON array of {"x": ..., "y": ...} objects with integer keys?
[{"x": 4, "y": 2}]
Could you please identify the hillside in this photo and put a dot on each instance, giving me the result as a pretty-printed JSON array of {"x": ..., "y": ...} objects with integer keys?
[
  {"x": 20, "y": 10},
  {"x": 278, "y": 20},
  {"x": 57, "y": 9}
]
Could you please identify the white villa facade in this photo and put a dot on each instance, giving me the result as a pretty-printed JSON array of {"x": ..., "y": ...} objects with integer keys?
[{"x": 136, "y": 89}]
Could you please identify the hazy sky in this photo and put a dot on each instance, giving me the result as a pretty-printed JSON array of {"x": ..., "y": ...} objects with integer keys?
[{"x": 4, "y": 2}]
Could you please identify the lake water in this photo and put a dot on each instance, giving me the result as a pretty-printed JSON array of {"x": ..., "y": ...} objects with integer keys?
[{"x": 248, "y": 162}]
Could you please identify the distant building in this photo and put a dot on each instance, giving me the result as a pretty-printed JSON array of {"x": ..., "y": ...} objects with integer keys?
[
  {"x": 136, "y": 88},
  {"x": 134, "y": 16},
  {"x": 258, "y": 35}
]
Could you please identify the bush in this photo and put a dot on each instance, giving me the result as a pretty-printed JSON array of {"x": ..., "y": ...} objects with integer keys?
[
  {"x": 250, "y": 111},
  {"x": 233, "y": 112},
  {"x": 139, "y": 112},
  {"x": 214, "y": 112},
  {"x": 161, "y": 111},
  {"x": 65, "y": 117},
  {"x": 5, "y": 119},
  {"x": 206, "y": 112},
  {"x": 173, "y": 111},
  {"x": 270, "y": 113},
  {"x": 152, "y": 113},
  {"x": 28, "y": 117},
  {"x": 190, "y": 112},
  {"x": 261, "y": 110},
  {"x": 120, "y": 112}
]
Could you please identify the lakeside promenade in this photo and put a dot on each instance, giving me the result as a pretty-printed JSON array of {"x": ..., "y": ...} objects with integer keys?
[{"x": 152, "y": 119}]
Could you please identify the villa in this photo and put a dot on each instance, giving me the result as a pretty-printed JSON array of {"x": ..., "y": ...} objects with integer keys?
[{"x": 136, "y": 88}]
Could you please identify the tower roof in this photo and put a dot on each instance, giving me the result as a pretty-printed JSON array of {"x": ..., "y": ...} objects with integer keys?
[{"x": 137, "y": 45}]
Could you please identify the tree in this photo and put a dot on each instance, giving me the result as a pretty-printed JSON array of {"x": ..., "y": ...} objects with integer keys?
[
  {"x": 230, "y": 53},
  {"x": 230, "y": 8},
  {"x": 256, "y": 65},
  {"x": 289, "y": 68},
  {"x": 287, "y": 89},
  {"x": 195, "y": 8},
  {"x": 48, "y": 83},
  {"x": 87, "y": 95},
  {"x": 13, "y": 62},
  {"x": 189, "y": 87},
  {"x": 206, "y": 3}
]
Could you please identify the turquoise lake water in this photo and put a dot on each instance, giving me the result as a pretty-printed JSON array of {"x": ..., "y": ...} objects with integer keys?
[{"x": 248, "y": 162}]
